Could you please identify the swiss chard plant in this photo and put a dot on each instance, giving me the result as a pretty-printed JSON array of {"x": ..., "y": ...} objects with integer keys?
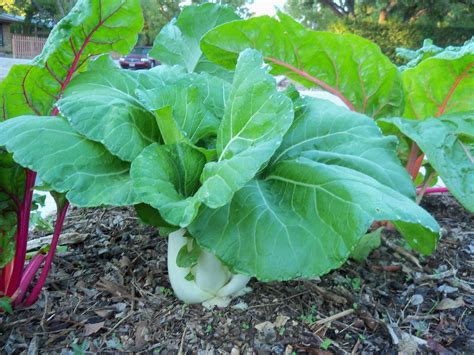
[
  {"x": 248, "y": 180},
  {"x": 438, "y": 119},
  {"x": 91, "y": 28}
]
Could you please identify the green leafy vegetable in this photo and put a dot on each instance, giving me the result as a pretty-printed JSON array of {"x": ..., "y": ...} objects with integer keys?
[
  {"x": 305, "y": 213},
  {"x": 5, "y": 304},
  {"x": 367, "y": 244},
  {"x": 441, "y": 84},
  {"x": 7, "y": 236},
  {"x": 90, "y": 29},
  {"x": 255, "y": 119},
  {"x": 268, "y": 184},
  {"x": 102, "y": 105},
  {"x": 84, "y": 169},
  {"x": 448, "y": 142},
  {"x": 347, "y": 66},
  {"x": 178, "y": 42}
]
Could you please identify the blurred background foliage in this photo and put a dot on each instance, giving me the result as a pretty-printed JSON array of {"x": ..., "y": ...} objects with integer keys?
[{"x": 389, "y": 23}]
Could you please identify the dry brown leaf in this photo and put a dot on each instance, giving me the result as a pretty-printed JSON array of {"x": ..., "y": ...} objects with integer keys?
[
  {"x": 448, "y": 303},
  {"x": 264, "y": 326},
  {"x": 92, "y": 328},
  {"x": 141, "y": 334},
  {"x": 281, "y": 320},
  {"x": 104, "y": 313}
]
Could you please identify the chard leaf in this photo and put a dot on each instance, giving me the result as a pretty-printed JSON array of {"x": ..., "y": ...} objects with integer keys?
[
  {"x": 12, "y": 178},
  {"x": 101, "y": 104},
  {"x": 348, "y": 66},
  {"x": 12, "y": 182},
  {"x": 91, "y": 28},
  {"x": 448, "y": 142},
  {"x": 441, "y": 84},
  {"x": 70, "y": 163},
  {"x": 306, "y": 213},
  {"x": 256, "y": 118},
  {"x": 178, "y": 41},
  {"x": 8, "y": 223}
]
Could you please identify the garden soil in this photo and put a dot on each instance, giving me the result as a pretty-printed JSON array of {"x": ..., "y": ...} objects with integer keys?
[{"x": 110, "y": 293}]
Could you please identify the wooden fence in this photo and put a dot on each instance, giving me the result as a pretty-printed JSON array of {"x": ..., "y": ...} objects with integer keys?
[{"x": 26, "y": 46}]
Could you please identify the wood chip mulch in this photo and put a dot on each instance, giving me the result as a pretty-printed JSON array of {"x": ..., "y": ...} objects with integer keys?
[{"x": 110, "y": 294}]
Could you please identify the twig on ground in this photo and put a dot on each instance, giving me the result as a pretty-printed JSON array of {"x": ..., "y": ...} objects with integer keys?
[
  {"x": 181, "y": 345},
  {"x": 393, "y": 335},
  {"x": 356, "y": 346},
  {"x": 335, "y": 317},
  {"x": 442, "y": 275},
  {"x": 331, "y": 296},
  {"x": 402, "y": 251},
  {"x": 277, "y": 302},
  {"x": 43, "y": 319},
  {"x": 120, "y": 322},
  {"x": 64, "y": 239}
]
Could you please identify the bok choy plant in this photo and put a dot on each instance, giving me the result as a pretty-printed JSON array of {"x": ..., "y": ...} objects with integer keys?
[
  {"x": 247, "y": 181},
  {"x": 91, "y": 28}
]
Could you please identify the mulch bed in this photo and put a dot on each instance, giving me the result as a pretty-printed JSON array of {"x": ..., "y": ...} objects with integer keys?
[{"x": 111, "y": 294}]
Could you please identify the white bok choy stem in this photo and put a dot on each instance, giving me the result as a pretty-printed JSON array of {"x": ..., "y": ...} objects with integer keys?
[{"x": 213, "y": 284}]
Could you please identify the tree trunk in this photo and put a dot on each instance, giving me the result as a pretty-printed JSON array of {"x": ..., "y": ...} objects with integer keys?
[{"x": 383, "y": 16}]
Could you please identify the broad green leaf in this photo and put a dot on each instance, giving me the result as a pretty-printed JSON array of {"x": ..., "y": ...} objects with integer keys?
[
  {"x": 348, "y": 66},
  {"x": 101, "y": 104},
  {"x": 172, "y": 133},
  {"x": 178, "y": 41},
  {"x": 307, "y": 211},
  {"x": 8, "y": 224},
  {"x": 448, "y": 142},
  {"x": 302, "y": 220},
  {"x": 12, "y": 177},
  {"x": 214, "y": 91},
  {"x": 91, "y": 28},
  {"x": 160, "y": 75},
  {"x": 166, "y": 177},
  {"x": 169, "y": 128},
  {"x": 441, "y": 84},
  {"x": 152, "y": 217},
  {"x": 367, "y": 244},
  {"x": 189, "y": 112},
  {"x": 12, "y": 182},
  {"x": 327, "y": 134},
  {"x": 70, "y": 163},
  {"x": 5, "y": 305},
  {"x": 414, "y": 57},
  {"x": 256, "y": 118}
]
